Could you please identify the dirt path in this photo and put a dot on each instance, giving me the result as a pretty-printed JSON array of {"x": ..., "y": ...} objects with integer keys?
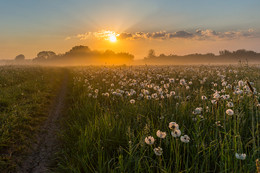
[{"x": 47, "y": 143}]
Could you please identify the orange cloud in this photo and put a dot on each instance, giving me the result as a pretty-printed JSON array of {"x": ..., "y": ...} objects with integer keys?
[{"x": 199, "y": 34}]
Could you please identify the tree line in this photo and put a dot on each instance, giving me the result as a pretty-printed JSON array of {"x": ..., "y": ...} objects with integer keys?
[
  {"x": 225, "y": 56},
  {"x": 81, "y": 54},
  {"x": 84, "y": 55}
]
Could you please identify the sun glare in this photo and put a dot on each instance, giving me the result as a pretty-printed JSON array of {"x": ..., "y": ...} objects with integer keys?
[{"x": 112, "y": 38}]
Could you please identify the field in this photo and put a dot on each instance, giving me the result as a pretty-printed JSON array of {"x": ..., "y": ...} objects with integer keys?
[
  {"x": 136, "y": 118},
  {"x": 162, "y": 119},
  {"x": 25, "y": 96}
]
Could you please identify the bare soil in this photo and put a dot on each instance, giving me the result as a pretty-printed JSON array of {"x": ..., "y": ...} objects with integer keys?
[{"x": 46, "y": 145}]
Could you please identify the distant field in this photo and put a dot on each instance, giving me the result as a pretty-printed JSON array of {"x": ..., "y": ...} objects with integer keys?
[
  {"x": 134, "y": 118},
  {"x": 26, "y": 94}
]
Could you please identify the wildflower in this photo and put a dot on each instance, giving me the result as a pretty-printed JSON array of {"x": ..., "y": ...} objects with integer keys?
[
  {"x": 148, "y": 97},
  {"x": 185, "y": 139},
  {"x": 198, "y": 110},
  {"x": 207, "y": 109},
  {"x": 214, "y": 102},
  {"x": 173, "y": 125},
  {"x": 230, "y": 104},
  {"x": 149, "y": 140},
  {"x": 216, "y": 95},
  {"x": 237, "y": 92},
  {"x": 166, "y": 85},
  {"x": 225, "y": 97},
  {"x": 172, "y": 93},
  {"x": 241, "y": 156},
  {"x": 182, "y": 82},
  {"x": 224, "y": 83},
  {"x": 230, "y": 112},
  {"x": 158, "y": 151},
  {"x": 203, "y": 98},
  {"x": 105, "y": 94},
  {"x": 240, "y": 83},
  {"x": 218, "y": 123},
  {"x": 161, "y": 134},
  {"x": 154, "y": 95},
  {"x": 171, "y": 80},
  {"x": 132, "y": 101},
  {"x": 201, "y": 116},
  {"x": 194, "y": 119},
  {"x": 176, "y": 133},
  {"x": 229, "y": 86}
]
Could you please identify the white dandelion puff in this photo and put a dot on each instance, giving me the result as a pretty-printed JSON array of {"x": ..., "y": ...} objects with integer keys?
[
  {"x": 161, "y": 134},
  {"x": 241, "y": 156},
  {"x": 149, "y": 140},
  {"x": 158, "y": 151},
  {"x": 173, "y": 125},
  {"x": 185, "y": 139},
  {"x": 176, "y": 133},
  {"x": 230, "y": 112}
]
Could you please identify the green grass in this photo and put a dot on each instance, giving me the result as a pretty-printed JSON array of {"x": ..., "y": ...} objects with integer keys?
[
  {"x": 106, "y": 134},
  {"x": 26, "y": 94}
]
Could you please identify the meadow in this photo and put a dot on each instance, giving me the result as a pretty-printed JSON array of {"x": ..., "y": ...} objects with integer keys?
[
  {"x": 135, "y": 118},
  {"x": 162, "y": 119},
  {"x": 26, "y": 94}
]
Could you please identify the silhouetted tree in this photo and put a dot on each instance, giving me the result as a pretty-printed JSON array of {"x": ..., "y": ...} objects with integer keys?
[
  {"x": 224, "y": 52},
  {"x": 210, "y": 54},
  {"x": 225, "y": 56},
  {"x": 83, "y": 55},
  {"x": 45, "y": 55},
  {"x": 20, "y": 57},
  {"x": 78, "y": 51},
  {"x": 151, "y": 54}
]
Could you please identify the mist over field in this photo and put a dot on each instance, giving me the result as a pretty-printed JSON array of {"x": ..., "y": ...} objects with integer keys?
[{"x": 83, "y": 55}]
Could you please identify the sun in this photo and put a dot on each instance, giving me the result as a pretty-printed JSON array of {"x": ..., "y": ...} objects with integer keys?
[{"x": 112, "y": 38}]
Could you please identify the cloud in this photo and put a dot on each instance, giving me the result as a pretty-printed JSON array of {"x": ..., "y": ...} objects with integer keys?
[
  {"x": 206, "y": 34},
  {"x": 101, "y": 35},
  {"x": 181, "y": 34},
  {"x": 84, "y": 36},
  {"x": 125, "y": 35},
  {"x": 227, "y": 35},
  {"x": 158, "y": 35}
]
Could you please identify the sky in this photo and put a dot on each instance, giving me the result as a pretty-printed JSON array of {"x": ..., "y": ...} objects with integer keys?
[{"x": 167, "y": 26}]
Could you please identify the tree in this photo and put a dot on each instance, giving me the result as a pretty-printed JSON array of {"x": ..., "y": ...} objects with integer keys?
[
  {"x": 151, "y": 53},
  {"x": 44, "y": 55},
  {"x": 78, "y": 51},
  {"x": 20, "y": 57},
  {"x": 224, "y": 52}
]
